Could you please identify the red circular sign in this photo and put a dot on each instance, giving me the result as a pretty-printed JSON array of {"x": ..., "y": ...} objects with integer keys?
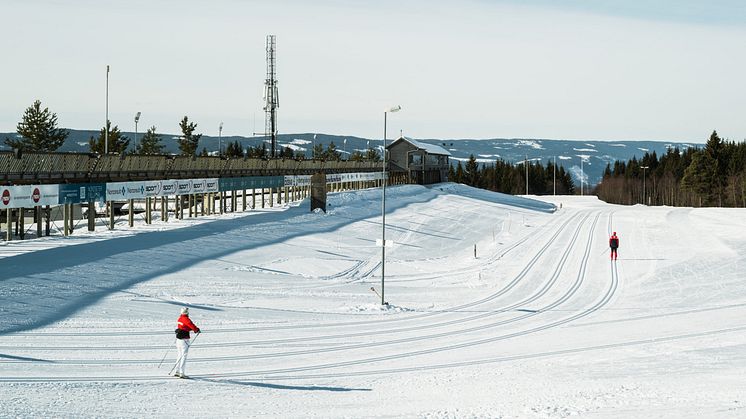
[
  {"x": 36, "y": 195},
  {"x": 6, "y": 197}
]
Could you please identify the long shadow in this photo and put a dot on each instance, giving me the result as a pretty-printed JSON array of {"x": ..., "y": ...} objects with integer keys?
[
  {"x": 25, "y": 359},
  {"x": 89, "y": 272},
  {"x": 279, "y": 386}
]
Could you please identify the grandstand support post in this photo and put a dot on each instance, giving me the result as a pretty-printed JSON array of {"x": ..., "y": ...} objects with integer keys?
[
  {"x": 111, "y": 215},
  {"x": 271, "y": 197},
  {"x": 262, "y": 197},
  {"x": 234, "y": 201},
  {"x": 8, "y": 224},
  {"x": 65, "y": 221},
  {"x": 47, "y": 222},
  {"x": 37, "y": 216},
  {"x": 287, "y": 193},
  {"x": 163, "y": 215},
  {"x": 149, "y": 211},
  {"x": 243, "y": 193},
  {"x": 253, "y": 198},
  {"x": 204, "y": 202},
  {"x": 21, "y": 223},
  {"x": 131, "y": 215},
  {"x": 91, "y": 216},
  {"x": 72, "y": 218},
  {"x": 279, "y": 195},
  {"x": 190, "y": 203}
]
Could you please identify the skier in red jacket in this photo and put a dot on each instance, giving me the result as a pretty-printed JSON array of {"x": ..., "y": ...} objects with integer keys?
[
  {"x": 614, "y": 245},
  {"x": 183, "y": 326}
]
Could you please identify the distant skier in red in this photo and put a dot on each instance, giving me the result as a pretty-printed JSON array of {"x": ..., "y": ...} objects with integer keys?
[
  {"x": 183, "y": 326},
  {"x": 614, "y": 245}
]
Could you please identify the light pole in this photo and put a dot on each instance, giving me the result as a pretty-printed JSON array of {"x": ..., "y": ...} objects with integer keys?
[
  {"x": 581, "y": 175},
  {"x": 344, "y": 147},
  {"x": 220, "y": 140},
  {"x": 137, "y": 119},
  {"x": 313, "y": 149},
  {"x": 106, "y": 125},
  {"x": 643, "y": 184},
  {"x": 396, "y": 108}
]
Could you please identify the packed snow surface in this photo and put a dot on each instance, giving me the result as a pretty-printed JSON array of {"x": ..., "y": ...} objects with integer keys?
[{"x": 499, "y": 306}]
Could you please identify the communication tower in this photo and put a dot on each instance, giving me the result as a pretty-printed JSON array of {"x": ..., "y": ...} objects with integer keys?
[{"x": 271, "y": 98}]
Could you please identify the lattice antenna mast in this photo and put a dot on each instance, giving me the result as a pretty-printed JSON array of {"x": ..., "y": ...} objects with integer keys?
[{"x": 271, "y": 98}]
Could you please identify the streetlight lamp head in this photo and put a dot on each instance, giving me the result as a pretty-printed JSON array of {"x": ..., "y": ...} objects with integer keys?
[
  {"x": 137, "y": 117},
  {"x": 396, "y": 108}
]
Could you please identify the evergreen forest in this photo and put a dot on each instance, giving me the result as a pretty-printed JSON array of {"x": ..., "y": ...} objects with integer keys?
[{"x": 712, "y": 176}]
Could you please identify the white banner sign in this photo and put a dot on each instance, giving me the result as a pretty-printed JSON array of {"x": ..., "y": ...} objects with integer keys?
[{"x": 27, "y": 196}]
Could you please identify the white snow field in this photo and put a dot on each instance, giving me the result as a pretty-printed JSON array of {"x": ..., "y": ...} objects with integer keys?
[{"x": 540, "y": 324}]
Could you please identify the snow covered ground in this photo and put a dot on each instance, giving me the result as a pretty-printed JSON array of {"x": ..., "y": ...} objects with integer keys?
[{"x": 539, "y": 324}]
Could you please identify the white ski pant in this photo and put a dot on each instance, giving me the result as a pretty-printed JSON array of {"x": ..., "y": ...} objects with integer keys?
[{"x": 182, "y": 345}]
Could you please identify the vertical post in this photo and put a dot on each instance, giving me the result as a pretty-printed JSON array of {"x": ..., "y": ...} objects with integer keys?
[
  {"x": 271, "y": 197},
  {"x": 163, "y": 209},
  {"x": 383, "y": 214},
  {"x": 65, "y": 221},
  {"x": 72, "y": 218},
  {"x": 554, "y": 177},
  {"x": 91, "y": 216},
  {"x": 525, "y": 163},
  {"x": 131, "y": 215},
  {"x": 47, "y": 221},
  {"x": 581, "y": 176},
  {"x": 262, "y": 197},
  {"x": 243, "y": 192},
  {"x": 148, "y": 211},
  {"x": 37, "y": 215},
  {"x": 111, "y": 215},
  {"x": 253, "y": 198},
  {"x": 9, "y": 224},
  {"x": 21, "y": 223}
]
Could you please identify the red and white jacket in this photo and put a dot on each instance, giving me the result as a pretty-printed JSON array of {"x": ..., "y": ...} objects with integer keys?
[{"x": 185, "y": 323}]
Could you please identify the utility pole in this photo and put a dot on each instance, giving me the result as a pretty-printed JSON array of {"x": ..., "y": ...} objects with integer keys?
[
  {"x": 554, "y": 177},
  {"x": 644, "y": 196}
]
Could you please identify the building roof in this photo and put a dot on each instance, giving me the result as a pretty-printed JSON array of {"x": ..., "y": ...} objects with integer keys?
[{"x": 429, "y": 148}]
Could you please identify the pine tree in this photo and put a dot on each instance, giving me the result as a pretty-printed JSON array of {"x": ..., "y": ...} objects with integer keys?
[
  {"x": 471, "y": 175},
  {"x": 150, "y": 143},
  {"x": 118, "y": 143},
  {"x": 38, "y": 131},
  {"x": 332, "y": 153},
  {"x": 372, "y": 155},
  {"x": 188, "y": 141},
  {"x": 357, "y": 155},
  {"x": 318, "y": 151}
]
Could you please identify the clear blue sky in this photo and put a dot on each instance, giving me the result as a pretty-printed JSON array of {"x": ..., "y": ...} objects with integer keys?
[{"x": 571, "y": 69}]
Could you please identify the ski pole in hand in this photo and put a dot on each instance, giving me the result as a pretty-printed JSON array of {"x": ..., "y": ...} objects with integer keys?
[{"x": 167, "y": 351}]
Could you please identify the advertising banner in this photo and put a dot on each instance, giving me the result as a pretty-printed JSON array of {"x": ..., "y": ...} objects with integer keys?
[
  {"x": 27, "y": 196},
  {"x": 300, "y": 180},
  {"x": 251, "y": 182},
  {"x": 75, "y": 193},
  {"x": 116, "y": 191}
]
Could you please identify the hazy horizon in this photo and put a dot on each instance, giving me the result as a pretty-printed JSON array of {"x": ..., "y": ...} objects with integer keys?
[{"x": 603, "y": 70}]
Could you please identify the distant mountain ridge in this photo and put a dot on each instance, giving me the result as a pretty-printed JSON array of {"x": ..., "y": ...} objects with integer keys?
[{"x": 596, "y": 154}]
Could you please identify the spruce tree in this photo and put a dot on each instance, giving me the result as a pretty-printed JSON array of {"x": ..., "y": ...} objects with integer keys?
[
  {"x": 38, "y": 131},
  {"x": 150, "y": 143},
  {"x": 188, "y": 141},
  {"x": 117, "y": 141}
]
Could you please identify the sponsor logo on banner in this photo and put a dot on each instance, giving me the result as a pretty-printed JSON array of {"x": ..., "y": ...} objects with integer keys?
[
  {"x": 168, "y": 188},
  {"x": 82, "y": 193},
  {"x": 6, "y": 197},
  {"x": 36, "y": 195}
]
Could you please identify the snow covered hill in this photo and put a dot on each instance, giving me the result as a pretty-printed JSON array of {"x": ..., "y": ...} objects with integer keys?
[{"x": 539, "y": 323}]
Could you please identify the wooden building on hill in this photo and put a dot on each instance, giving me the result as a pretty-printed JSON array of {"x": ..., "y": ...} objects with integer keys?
[{"x": 412, "y": 161}]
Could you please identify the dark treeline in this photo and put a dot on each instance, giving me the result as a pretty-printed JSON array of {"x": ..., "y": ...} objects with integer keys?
[
  {"x": 711, "y": 176},
  {"x": 502, "y": 176}
]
